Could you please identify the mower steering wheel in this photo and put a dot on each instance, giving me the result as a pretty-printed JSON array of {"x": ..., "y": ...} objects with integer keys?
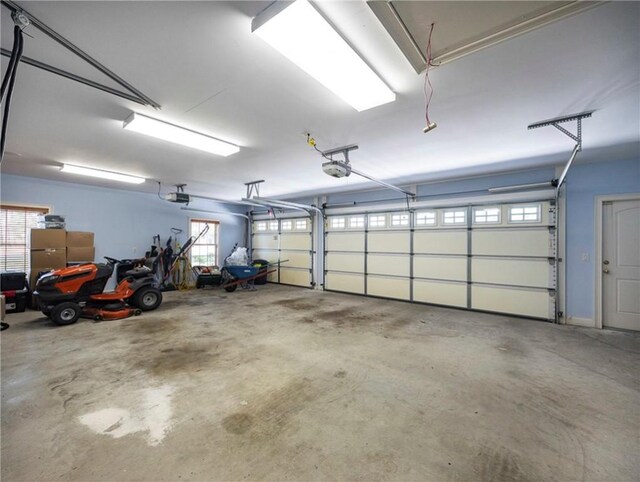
[{"x": 112, "y": 260}]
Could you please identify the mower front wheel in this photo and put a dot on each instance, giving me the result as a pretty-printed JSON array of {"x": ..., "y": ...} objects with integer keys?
[
  {"x": 147, "y": 299},
  {"x": 65, "y": 313}
]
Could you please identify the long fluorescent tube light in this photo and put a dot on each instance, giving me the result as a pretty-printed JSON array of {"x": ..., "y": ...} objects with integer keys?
[
  {"x": 178, "y": 135},
  {"x": 300, "y": 33},
  {"x": 114, "y": 176}
]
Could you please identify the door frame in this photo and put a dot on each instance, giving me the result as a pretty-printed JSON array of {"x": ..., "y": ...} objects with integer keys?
[{"x": 599, "y": 221}]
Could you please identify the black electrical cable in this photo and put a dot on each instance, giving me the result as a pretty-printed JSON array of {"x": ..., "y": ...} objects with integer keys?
[
  {"x": 7, "y": 101},
  {"x": 12, "y": 61}
]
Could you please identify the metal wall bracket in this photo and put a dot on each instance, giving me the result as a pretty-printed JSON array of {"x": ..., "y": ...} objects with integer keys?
[
  {"x": 341, "y": 150},
  {"x": 253, "y": 186},
  {"x": 555, "y": 122}
]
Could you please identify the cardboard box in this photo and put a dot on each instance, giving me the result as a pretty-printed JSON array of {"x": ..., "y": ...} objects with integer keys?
[
  {"x": 79, "y": 239},
  {"x": 81, "y": 254},
  {"x": 42, "y": 259},
  {"x": 48, "y": 239}
]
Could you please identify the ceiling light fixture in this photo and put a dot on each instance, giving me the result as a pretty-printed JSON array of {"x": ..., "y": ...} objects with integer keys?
[
  {"x": 178, "y": 135},
  {"x": 113, "y": 176},
  {"x": 300, "y": 33}
]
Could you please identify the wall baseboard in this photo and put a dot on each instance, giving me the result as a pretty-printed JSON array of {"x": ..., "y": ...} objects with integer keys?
[{"x": 588, "y": 322}]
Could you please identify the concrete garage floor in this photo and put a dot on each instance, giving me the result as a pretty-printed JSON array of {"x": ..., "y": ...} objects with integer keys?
[{"x": 293, "y": 384}]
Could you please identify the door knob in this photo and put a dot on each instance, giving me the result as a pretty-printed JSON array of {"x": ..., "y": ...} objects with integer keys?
[
  {"x": 606, "y": 270},
  {"x": 606, "y": 261}
]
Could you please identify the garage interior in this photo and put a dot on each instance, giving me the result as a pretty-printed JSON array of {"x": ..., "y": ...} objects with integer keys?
[{"x": 346, "y": 240}]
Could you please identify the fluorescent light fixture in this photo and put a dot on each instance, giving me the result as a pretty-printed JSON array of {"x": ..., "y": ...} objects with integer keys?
[
  {"x": 179, "y": 135},
  {"x": 300, "y": 33},
  {"x": 114, "y": 176}
]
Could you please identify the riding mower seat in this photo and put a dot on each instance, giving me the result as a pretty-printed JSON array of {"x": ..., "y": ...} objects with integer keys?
[{"x": 137, "y": 273}]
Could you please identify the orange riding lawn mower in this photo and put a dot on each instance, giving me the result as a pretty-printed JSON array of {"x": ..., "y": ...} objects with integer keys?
[{"x": 66, "y": 294}]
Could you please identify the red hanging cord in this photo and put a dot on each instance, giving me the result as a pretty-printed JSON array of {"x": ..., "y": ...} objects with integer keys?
[{"x": 428, "y": 88}]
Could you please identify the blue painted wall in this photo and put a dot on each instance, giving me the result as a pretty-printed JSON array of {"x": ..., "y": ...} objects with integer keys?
[
  {"x": 584, "y": 183},
  {"x": 123, "y": 221}
]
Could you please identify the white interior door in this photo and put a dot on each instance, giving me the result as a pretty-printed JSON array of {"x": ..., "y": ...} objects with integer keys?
[{"x": 621, "y": 264}]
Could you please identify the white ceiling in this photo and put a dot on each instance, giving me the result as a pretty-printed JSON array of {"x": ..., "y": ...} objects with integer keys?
[{"x": 200, "y": 61}]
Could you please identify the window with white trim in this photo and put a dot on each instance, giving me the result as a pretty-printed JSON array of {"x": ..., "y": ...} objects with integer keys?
[
  {"x": 338, "y": 223},
  {"x": 399, "y": 220},
  {"x": 273, "y": 225},
  {"x": 530, "y": 213},
  {"x": 377, "y": 220},
  {"x": 426, "y": 218},
  {"x": 356, "y": 222},
  {"x": 454, "y": 217},
  {"x": 262, "y": 226},
  {"x": 204, "y": 252},
  {"x": 486, "y": 215},
  {"x": 301, "y": 224},
  {"x": 286, "y": 225},
  {"x": 16, "y": 223}
]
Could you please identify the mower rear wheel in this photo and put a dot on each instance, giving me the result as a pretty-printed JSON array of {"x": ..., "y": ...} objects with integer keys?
[
  {"x": 147, "y": 299},
  {"x": 65, "y": 313}
]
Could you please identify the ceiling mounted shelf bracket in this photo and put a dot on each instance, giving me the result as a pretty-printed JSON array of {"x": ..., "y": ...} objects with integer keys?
[
  {"x": 253, "y": 186},
  {"x": 15, "y": 8},
  {"x": 555, "y": 122},
  {"x": 345, "y": 150}
]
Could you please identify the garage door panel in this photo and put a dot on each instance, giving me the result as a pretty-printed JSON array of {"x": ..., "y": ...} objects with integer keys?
[
  {"x": 389, "y": 264},
  {"x": 518, "y": 272},
  {"x": 265, "y": 241},
  {"x": 298, "y": 277},
  {"x": 271, "y": 256},
  {"x": 295, "y": 241},
  {"x": 389, "y": 242},
  {"x": 345, "y": 242},
  {"x": 296, "y": 259},
  {"x": 440, "y": 242},
  {"x": 518, "y": 301},
  {"x": 438, "y": 267},
  {"x": 440, "y": 292},
  {"x": 347, "y": 282},
  {"x": 353, "y": 262},
  {"x": 511, "y": 242},
  {"x": 397, "y": 288}
]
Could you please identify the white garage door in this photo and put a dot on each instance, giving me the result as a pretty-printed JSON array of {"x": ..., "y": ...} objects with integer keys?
[
  {"x": 288, "y": 241},
  {"x": 497, "y": 258}
]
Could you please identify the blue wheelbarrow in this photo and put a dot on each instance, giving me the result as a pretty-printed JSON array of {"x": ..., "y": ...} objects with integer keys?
[{"x": 232, "y": 276}]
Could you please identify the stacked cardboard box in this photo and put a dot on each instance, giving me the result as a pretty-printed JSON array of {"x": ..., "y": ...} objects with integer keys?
[
  {"x": 48, "y": 251},
  {"x": 80, "y": 247}
]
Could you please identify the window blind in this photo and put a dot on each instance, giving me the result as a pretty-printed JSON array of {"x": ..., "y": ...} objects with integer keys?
[{"x": 15, "y": 226}]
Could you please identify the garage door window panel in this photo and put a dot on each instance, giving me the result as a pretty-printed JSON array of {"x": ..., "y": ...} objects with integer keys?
[
  {"x": 530, "y": 213},
  {"x": 454, "y": 217}
]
